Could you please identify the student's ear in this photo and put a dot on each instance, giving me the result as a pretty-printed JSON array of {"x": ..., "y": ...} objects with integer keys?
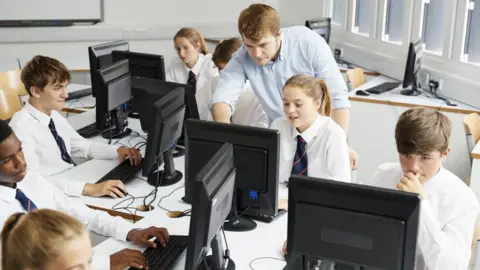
[
  {"x": 318, "y": 104},
  {"x": 445, "y": 154},
  {"x": 35, "y": 91}
]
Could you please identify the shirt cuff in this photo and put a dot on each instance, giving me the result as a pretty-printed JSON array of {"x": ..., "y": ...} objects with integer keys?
[
  {"x": 104, "y": 151},
  {"x": 123, "y": 228},
  {"x": 74, "y": 189},
  {"x": 340, "y": 101},
  {"x": 101, "y": 262}
]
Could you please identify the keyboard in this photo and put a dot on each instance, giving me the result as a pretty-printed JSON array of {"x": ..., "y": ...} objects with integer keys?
[
  {"x": 382, "y": 88},
  {"x": 123, "y": 172},
  {"x": 161, "y": 258},
  {"x": 88, "y": 131},
  {"x": 79, "y": 94}
]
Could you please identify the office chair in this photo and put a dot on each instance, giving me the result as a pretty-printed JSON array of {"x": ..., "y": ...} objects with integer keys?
[{"x": 356, "y": 77}]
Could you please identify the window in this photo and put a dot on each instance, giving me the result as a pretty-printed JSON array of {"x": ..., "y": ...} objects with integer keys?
[
  {"x": 394, "y": 16},
  {"x": 363, "y": 16},
  {"x": 339, "y": 11},
  {"x": 471, "y": 51},
  {"x": 433, "y": 33}
]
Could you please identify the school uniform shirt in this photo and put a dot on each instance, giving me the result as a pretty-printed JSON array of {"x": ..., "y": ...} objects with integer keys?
[
  {"x": 41, "y": 149},
  {"x": 47, "y": 196},
  {"x": 248, "y": 111},
  {"x": 447, "y": 218},
  {"x": 204, "y": 71},
  {"x": 327, "y": 149},
  {"x": 302, "y": 52}
]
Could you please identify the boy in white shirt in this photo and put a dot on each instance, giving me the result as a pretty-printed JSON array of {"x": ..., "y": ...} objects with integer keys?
[
  {"x": 311, "y": 143},
  {"x": 48, "y": 139},
  {"x": 26, "y": 191},
  {"x": 449, "y": 208}
]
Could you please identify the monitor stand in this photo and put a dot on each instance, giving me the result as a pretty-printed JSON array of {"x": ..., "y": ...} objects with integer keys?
[
  {"x": 168, "y": 176},
  {"x": 414, "y": 91},
  {"x": 217, "y": 260},
  {"x": 235, "y": 222},
  {"x": 117, "y": 125}
]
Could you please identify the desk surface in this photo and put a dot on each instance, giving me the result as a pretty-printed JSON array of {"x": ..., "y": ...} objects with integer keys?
[
  {"x": 394, "y": 98},
  {"x": 265, "y": 241}
]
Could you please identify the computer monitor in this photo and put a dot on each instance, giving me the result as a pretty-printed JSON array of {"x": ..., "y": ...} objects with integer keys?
[
  {"x": 146, "y": 91},
  {"x": 113, "y": 91},
  {"x": 355, "y": 226},
  {"x": 256, "y": 155},
  {"x": 100, "y": 56},
  {"x": 165, "y": 129},
  {"x": 321, "y": 26},
  {"x": 414, "y": 59},
  {"x": 214, "y": 186}
]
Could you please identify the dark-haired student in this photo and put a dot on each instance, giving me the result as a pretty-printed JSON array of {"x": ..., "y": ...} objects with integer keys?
[
  {"x": 27, "y": 191},
  {"x": 50, "y": 141}
]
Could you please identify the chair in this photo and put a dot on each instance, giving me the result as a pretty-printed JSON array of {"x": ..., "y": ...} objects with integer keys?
[
  {"x": 471, "y": 123},
  {"x": 475, "y": 256},
  {"x": 9, "y": 103},
  {"x": 11, "y": 80},
  {"x": 356, "y": 77}
]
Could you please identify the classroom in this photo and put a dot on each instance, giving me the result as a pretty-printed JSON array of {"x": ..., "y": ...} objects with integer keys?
[{"x": 178, "y": 135}]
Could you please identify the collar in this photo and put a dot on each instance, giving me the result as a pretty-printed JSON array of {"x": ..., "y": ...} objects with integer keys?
[
  {"x": 437, "y": 175},
  {"x": 41, "y": 117},
  {"x": 311, "y": 132},
  {"x": 8, "y": 194},
  {"x": 196, "y": 68},
  {"x": 283, "y": 48}
]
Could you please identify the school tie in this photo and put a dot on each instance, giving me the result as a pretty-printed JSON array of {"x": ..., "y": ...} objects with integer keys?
[
  {"x": 61, "y": 144},
  {"x": 192, "y": 80},
  {"x": 26, "y": 203},
  {"x": 300, "y": 161}
]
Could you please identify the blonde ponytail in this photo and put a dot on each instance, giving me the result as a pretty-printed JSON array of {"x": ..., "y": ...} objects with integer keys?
[
  {"x": 314, "y": 88},
  {"x": 194, "y": 37},
  {"x": 326, "y": 100}
]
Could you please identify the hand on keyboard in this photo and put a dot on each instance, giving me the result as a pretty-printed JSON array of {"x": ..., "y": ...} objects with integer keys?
[
  {"x": 127, "y": 258},
  {"x": 113, "y": 188},
  {"x": 141, "y": 237},
  {"x": 131, "y": 153}
]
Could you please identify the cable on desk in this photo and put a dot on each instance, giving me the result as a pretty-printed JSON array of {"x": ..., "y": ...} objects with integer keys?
[
  {"x": 183, "y": 213},
  {"x": 263, "y": 258}
]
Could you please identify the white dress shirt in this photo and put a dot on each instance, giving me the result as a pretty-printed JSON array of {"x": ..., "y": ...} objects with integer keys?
[
  {"x": 45, "y": 195},
  {"x": 204, "y": 71},
  {"x": 447, "y": 218},
  {"x": 42, "y": 152},
  {"x": 327, "y": 149}
]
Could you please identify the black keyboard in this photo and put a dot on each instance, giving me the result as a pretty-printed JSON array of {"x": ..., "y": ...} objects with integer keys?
[
  {"x": 161, "y": 258},
  {"x": 382, "y": 88},
  {"x": 264, "y": 218},
  {"x": 123, "y": 172},
  {"x": 89, "y": 131},
  {"x": 79, "y": 94}
]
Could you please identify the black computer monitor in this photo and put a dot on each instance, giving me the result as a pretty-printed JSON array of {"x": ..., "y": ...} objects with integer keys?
[
  {"x": 214, "y": 186},
  {"x": 321, "y": 26},
  {"x": 256, "y": 154},
  {"x": 100, "y": 56},
  {"x": 142, "y": 64},
  {"x": 165, "y": 129},
  {"x": 355, "y": 226},
  {"x": 113, "y": 91},
  {"x": 414, "y": 59}
]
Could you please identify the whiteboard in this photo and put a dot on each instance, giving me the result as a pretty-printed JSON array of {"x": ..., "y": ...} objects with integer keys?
[{"x": 50, "y": 10}]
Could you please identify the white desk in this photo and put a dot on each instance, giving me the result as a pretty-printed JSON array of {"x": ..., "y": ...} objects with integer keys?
[
  {"x": 372, "y": 126},
  {"x": 265, "y": 241},
  {"x": 475, "y": 176}
]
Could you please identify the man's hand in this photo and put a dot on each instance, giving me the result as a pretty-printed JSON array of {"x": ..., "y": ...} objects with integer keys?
[
  {"x": 353, "y": 158},
  {"x": 128, "y": 258},
  {"x": 411, "y": 183},
  {"x": 141, "y": 237},
  {"x": 112, "y": 188},
  {"x": 133, "y": 155}
]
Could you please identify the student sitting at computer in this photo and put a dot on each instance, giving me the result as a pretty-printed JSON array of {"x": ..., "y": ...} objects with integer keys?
[
  {"x": 26, "y": 191},
  {"x": 311, "y": 143},
  {"x": 449, "y": 208},
  {"x": 194, "y": 65},
  {"x": 248, "y": 111},
  {"x": 48, "y": 139}
]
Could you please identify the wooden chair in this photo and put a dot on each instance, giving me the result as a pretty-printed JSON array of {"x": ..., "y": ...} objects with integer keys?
[
  {"x": 356, "y": 77},
  {"x": 9, "y": 103},
  {"x": 471, "y": 123},
  {"x": 10, "y": 80}
]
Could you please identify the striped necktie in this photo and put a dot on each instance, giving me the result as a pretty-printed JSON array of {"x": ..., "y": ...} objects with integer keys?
[
  {"x": 61, "y": 143},
  {"x": 300, "y": 161},
  {"x": 26, "y": 203}
]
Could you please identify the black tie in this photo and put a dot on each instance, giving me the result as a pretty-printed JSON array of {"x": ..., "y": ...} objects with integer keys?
[
  {"x": 192, "y": 80},
  {"x": 61, "y": 144}
]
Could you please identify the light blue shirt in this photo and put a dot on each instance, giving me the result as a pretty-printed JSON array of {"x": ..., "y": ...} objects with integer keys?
[{"x": 302, "y": 52}]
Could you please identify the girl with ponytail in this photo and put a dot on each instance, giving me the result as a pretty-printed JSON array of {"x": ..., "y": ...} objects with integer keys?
[
  {"x": 311, "y": 143},
  {"x": 194, "y": 66}
]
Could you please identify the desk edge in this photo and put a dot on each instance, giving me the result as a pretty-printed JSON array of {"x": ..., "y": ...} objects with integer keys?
[{"x": 114, "y": 213}]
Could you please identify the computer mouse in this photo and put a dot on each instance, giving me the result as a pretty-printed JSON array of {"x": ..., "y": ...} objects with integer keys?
[{"x": 362, "y": 93}]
